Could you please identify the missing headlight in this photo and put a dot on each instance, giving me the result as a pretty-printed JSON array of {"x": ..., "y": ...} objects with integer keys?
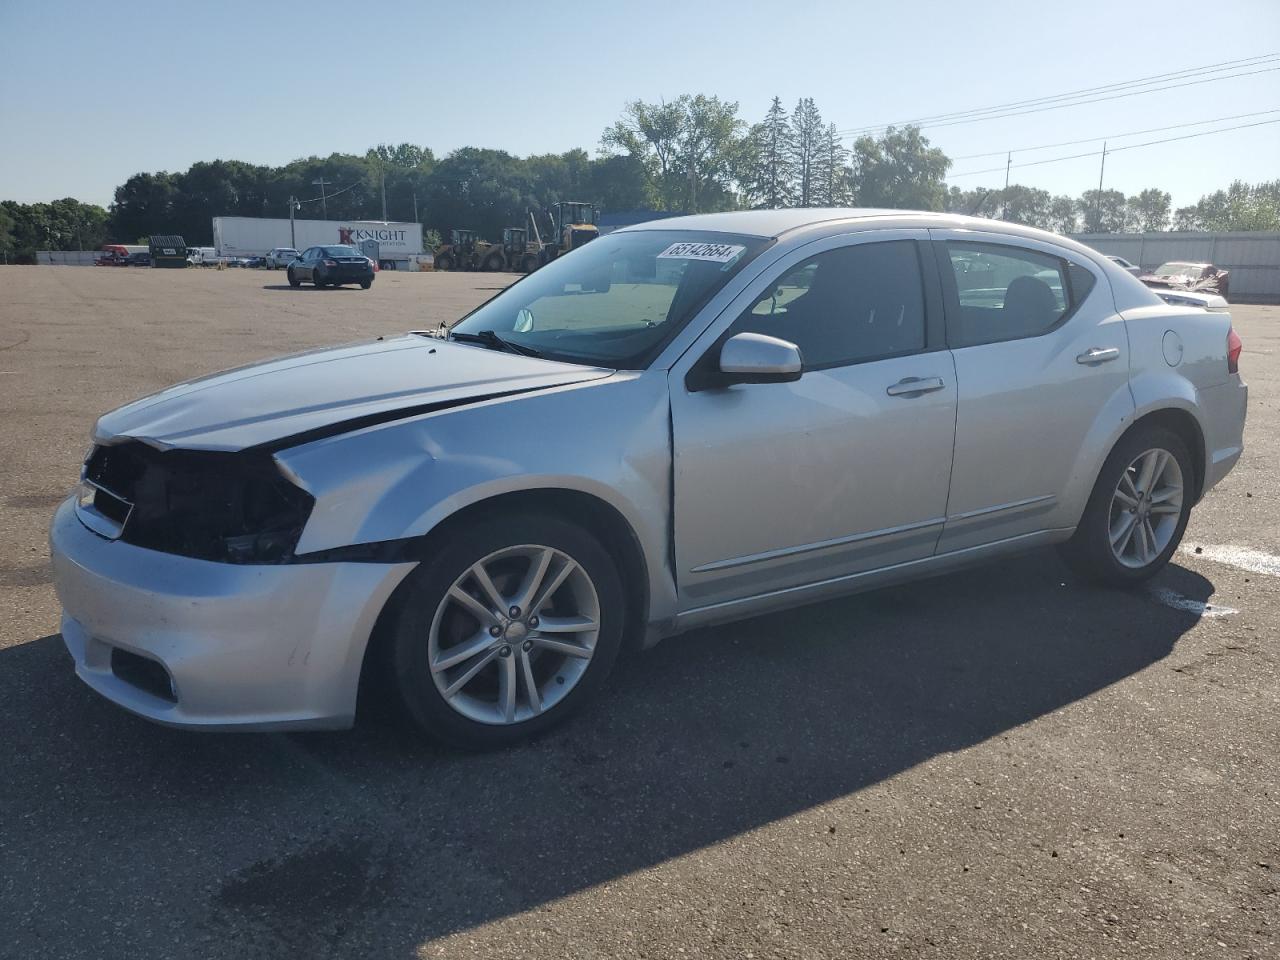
[{"x": 229, "y": 507}]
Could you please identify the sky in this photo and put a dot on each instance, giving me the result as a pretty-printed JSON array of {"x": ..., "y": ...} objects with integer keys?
[{"x": 97, "y": 91}]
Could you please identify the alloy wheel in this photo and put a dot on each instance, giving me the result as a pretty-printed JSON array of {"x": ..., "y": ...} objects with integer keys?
[
  {"x": 1146, "y": 508},
  {"x": 514, "y": 634}
]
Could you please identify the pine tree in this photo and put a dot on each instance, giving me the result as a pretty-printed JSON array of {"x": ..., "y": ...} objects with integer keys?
[
  {"x": 807, "y": 135},
  {"x": 772, "y": 176},
  {"x": 830, "y": 171}
]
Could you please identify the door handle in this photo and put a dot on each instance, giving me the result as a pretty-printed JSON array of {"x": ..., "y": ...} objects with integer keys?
[
  {"x": 914, "y": 386},
  {"x": 1098, "y": 355}
]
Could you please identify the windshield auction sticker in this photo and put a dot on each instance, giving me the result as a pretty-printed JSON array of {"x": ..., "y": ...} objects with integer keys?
[{"x": 714, "y": 252}]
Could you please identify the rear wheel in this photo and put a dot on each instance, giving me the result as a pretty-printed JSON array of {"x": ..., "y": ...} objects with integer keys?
[
  {"x": 1138, "y": 510},
  {"x": 366, "y": 284},
  {"x": 507, "y": 631}
]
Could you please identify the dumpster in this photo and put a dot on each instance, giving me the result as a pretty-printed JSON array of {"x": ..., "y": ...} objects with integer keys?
[{"x": 169, "y": 251}]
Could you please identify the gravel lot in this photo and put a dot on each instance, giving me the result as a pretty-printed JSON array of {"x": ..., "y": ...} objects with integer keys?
[{"x": 999, "y": 763}]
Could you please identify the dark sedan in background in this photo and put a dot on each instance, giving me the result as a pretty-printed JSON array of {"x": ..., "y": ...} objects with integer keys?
[{"x": 331, "y": 266}]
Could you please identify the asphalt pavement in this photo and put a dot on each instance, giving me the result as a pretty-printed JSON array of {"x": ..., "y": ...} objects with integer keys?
[{"x": 1003, "y": 762}]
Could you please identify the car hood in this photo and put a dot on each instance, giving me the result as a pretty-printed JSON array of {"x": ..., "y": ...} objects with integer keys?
[
  {"x": 325, "y": 392},
  {"x": 1165, "y": 280}
]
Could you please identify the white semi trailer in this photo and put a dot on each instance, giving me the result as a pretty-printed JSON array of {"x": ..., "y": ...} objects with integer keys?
[{"x": 398, "y": 243}]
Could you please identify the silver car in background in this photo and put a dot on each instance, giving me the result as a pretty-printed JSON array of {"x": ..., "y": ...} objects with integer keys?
[
  {"x": 681, "y": 423},
  {"x": 280, "y": 257}
]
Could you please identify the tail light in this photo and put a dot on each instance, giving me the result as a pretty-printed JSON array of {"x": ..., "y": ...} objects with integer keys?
[
  {"x": 1234, "y": 346},
  {"x": 330, "y": 263}
]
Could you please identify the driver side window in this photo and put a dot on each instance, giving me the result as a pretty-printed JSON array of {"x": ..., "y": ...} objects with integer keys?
[{"x": 849, "y": 305}]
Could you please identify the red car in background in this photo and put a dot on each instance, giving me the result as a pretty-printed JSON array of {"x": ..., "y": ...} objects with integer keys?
[
  {"x": 117, "y": 255},
  {"x": 1184, "y": 275}
]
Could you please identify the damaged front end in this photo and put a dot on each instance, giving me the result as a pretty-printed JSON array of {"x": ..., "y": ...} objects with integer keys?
[{"x": 230, "y": 507}]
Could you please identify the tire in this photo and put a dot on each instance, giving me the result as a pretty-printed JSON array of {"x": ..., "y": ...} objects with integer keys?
[
  {"x": 366, "y": 284},
  {"x": 1164, "y": 501},
  {"x": 493, "y": 264},
  {"x": 293, "y": 281},
  {"x": 316, "y": 279},
  {"x": 444, "y": 263},
  {"x": 530, "y": 264},
  {"x": 428, "y": 625}
]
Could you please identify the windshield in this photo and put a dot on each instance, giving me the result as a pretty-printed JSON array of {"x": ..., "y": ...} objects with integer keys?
[
  {"x": 1177, "y": 268},
  {"x": 617, "y": 300}
]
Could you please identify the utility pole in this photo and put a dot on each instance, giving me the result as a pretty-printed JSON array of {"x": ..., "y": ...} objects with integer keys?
[
  {"x": 415, "y": 207},
  {"x": 1097, "y": 202},
  {"x": 324, "y": 200},
  {"x": 384, "y": 194},
  {"x": 1004, "y": 200},
  {"x": 293, "y": 240}
]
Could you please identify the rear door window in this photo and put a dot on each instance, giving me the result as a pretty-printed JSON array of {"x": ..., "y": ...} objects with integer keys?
[{"x": 1008, "y": 293}]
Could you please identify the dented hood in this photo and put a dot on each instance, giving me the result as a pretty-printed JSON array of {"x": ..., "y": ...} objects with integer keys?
[{"x": 331, "y": 391}]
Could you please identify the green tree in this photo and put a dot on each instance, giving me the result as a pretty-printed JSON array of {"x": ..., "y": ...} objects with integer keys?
[
  {"x": 768, "y": 181},
  {"x": 6, "y": 233},
  {"x": 689, "y": 149},
  {"x": 1241, "y": 206},
  {"x": 807, "y": 136},
  {"x": 479, "y": 189},
  {"x": 1103, "y": 211},
  {"x": 977, "y": 202},
  {"x": 1027, "y": 205},
  {"x": 899, "y": 170},
  {"x": 1148, "y": 211},
  {"x": 710, "y": 140},
  {"x": 1062, "y": 214},
  {"x": 619, "y": 183},
  {"x": 143, "y": 204},
  {"x": 650, "y": 134},
  {"x": 831, "y": 172}
]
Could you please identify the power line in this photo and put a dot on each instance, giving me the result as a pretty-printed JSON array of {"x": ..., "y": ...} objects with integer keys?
[
  {"x": 1116, "y": 136},
  {"x": 976, "y": 116},
  {"x": 1086, "y": 91},
  {"x": 329, "y": 196},
  {"x": 1131, "y": 146}
]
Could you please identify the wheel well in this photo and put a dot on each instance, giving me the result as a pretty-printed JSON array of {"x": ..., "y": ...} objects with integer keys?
[
  {"x": 595, "y": 515},
  {"x": 1185, "y": 426}
]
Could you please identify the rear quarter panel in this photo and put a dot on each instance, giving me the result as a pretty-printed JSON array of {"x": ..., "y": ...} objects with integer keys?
[{"x": 1178, "y": 359}]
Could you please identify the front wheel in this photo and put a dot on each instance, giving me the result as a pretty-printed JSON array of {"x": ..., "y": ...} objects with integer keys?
[
  {"x": 293, "y": 281},
  {"x": 1137, "y": 512},
  {"x": 506, "y": 631}
]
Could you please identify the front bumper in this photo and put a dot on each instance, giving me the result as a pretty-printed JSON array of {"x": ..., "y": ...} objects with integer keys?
[{"x": 245, "y": 647}]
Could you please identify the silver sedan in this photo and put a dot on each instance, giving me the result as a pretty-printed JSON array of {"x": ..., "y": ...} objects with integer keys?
[{"x": 681, "y": 423}]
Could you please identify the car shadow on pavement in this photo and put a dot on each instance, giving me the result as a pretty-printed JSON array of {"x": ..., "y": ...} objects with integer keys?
[
  {"x": 308, "y": 287},
  {"x": 375, "y": 842}
]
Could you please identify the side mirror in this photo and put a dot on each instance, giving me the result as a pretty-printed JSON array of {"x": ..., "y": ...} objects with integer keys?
[{"x": 757, "y": 358}]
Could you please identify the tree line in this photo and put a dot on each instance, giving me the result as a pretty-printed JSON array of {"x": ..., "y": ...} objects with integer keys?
[{"x": 693, "y": 154}]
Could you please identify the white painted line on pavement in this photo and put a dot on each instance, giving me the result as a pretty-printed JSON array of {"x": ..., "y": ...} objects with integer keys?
[
  {"x": 1255, "y": 561},
  {"x": 1171, "y": 598}
]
